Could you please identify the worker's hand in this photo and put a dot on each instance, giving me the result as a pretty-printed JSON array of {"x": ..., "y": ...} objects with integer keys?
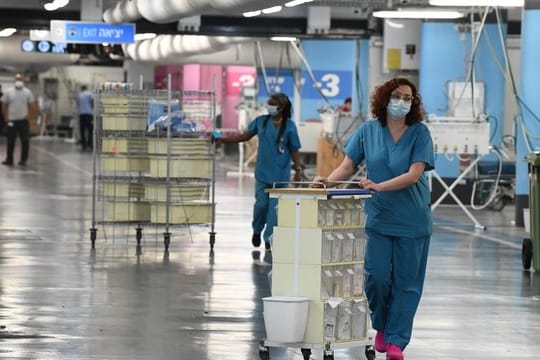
[
  {"x": 368, "y": 185},
  {"x": 298, "y": 175},
  {"x": 318, "y": 182}
]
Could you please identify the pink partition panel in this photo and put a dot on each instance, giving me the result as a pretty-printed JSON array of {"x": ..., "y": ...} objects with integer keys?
[{"x": 236, "y": 78}]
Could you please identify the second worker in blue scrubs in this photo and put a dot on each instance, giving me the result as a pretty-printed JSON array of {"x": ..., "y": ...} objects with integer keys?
[
  {"x": 397, "y": 149},
  {"x": 278, "y": 146}
]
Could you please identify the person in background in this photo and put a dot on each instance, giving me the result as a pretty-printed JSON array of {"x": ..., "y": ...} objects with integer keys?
[
  {"x": 347, "y": 105},
  {"x": 2, "y": 121},
  {"x": 18, "y": 105},
  {"x": 397, "y": 149},
  {"x": 85, "y": 106},
  {"x": 278, "y": 145}
]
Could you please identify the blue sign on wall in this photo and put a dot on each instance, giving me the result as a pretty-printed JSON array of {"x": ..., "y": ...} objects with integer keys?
[
  {"x": 335, "y": 85},
  {"x": 79, "y": 32}
]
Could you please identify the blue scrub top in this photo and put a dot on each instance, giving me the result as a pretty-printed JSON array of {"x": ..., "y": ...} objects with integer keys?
[
  {"x": 274, "y": 156},
  {"x": 405, "y": 212}
]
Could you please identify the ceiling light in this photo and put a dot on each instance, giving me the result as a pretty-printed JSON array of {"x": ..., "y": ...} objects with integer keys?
[
  {"x": 297, "y": 2},
  {"x": 252, "y": 13},
  {"x": 504, "y": 3},
  {"x": 144, "y": 36},
  {"x": 7, "y": 32},
  {"x": 283, "y": 38},
  {"x": 418, "y": 14},
  {"x": 55, "y": 5},
  {"x": 273, "y": 9}
]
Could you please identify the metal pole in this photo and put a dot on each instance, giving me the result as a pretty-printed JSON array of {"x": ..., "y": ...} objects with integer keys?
[
  {"x": 213, "y": 154},
  {"x": 168, "y": 181}
]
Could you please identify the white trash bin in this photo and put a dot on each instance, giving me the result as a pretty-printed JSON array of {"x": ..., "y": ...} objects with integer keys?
[
  {"x": 527, "y": 220},
  {"x": 285, "y": 318}
]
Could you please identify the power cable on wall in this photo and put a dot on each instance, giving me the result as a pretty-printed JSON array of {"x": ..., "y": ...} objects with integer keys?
[
  {"x": 526, "y": 135},
  {"x": 316, "y": 84}
]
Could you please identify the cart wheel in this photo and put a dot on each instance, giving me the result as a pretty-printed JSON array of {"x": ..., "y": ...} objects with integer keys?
[
  {"x": 93, "y": 236},
  {"x": 212, "y": 239},
  {"x": 526, "y": 253},
  {"x": 370, "y": 353},
  {"x": 166, "y": 240},
  {"x": 264, "y": 351},
  {"x": 138, "y": 235},
  {"x": 306, "y": 353},
  {"x": 498, "y": 204},
  {"x": 328, "y": 354}
]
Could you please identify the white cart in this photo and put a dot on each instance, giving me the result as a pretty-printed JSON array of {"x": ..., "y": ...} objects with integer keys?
[{"x": 318, "y": 259}]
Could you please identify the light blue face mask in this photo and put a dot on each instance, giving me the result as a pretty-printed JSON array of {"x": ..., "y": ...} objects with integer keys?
[
  {"x": 397, "y": 109},
  {"x": 272, "y": 109}
]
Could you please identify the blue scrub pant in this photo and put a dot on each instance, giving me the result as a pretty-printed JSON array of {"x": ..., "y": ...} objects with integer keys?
[
  {"x": 264, "y": 211},
  {"x": 395, "y": 270}
]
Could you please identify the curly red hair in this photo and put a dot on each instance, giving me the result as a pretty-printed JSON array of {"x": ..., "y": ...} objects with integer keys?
[{"x": 381, "y": 97}]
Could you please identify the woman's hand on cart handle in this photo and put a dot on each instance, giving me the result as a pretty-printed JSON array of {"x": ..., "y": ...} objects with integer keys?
[
  {"x": 368, "y": 185},
  {"x": 318, "y": 182}
]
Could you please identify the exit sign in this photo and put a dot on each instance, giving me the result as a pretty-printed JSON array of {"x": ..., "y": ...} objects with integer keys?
[{"x": 80, "y": 32}]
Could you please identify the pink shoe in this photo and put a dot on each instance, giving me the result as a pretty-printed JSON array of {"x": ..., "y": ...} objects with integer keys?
[
  {"x": 380, "y": 345},
  {"x": 394, "y": 353}
]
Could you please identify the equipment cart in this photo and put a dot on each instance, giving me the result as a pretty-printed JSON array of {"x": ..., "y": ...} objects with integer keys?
[
  {"x": 154, "y": 161},
  {"x": 318, "y": 300}
]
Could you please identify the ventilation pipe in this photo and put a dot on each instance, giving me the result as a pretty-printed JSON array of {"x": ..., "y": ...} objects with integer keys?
[
  {"x": 167, "y": 47},
  {"x": 164, "y": 11},
  {"x": 123, "y": 11}
]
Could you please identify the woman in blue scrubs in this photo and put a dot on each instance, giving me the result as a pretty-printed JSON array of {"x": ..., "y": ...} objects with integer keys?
[
  {"x": 397, "y": 149},
  {"x": 278, "y": 145}
]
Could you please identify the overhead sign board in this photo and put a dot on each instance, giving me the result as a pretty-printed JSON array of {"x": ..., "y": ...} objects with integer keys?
[
  {"x": 43, "y": 46},
  {"x": 81, "y": 32}
]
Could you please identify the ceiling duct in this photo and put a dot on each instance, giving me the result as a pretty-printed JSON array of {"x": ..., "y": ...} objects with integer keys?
[
  {"x": 165, "y": 11},
  {"x": 164, "y": 47}
]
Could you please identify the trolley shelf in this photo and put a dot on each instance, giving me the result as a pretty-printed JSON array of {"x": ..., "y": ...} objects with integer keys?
[{"x": 162, "y": 177}]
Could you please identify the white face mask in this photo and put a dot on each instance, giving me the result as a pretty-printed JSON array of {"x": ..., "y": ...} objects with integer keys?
[
  {"x": 272, "y": 109},
  {"x": 19, "y": 84}
]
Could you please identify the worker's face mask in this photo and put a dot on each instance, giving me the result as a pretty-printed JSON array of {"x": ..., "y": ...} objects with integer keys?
[
  {"x": 272, "y": 109},
  {"x": 397, "y": 109},
  {"x": 19, "y": 84}
]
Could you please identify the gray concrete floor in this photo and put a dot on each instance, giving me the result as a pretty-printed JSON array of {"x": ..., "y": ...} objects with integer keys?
[{"x": 61, "y": 300}]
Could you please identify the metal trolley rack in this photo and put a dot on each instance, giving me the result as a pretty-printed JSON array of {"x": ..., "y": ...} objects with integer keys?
[
  {"x": 153, "y": 162},
  {"x": 318, "y": 257}
]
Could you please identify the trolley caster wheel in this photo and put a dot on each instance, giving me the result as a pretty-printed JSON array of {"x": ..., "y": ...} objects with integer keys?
[
  {"x": 93, "y": 237},
  {"x": 328, "y": 354},
  {"x": 306, "y": 353},
  {"x": 264, "y": 351},
  {"x": 138, "y": 235},
  {"x": 166, "y": 240},
  {"x": 370, "y": 353},
  {"x": 526, "y": 253},
  {"x": 212, "y": 239}
]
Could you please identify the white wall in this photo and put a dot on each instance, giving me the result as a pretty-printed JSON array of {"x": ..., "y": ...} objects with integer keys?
[
  {"x": 137, "y": 71},
  {"x": 70, "y": 79},
  {"x": 511, "y": 109}
]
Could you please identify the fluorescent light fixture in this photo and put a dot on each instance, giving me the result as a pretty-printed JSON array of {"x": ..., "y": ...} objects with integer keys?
[
  {"x": 55, "y": 5},
  {"x": 283, "y": 38},
  {"x": 7, "y": 32},
  {"x": 252, "y": 13},
  {"x": 296, "y": 2},
  {"x": 503, "y": 3},
  {"x": 144, "y": 36},
  {"x": 273, "y": 9},
  {"x": 418, "y": 14}
]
